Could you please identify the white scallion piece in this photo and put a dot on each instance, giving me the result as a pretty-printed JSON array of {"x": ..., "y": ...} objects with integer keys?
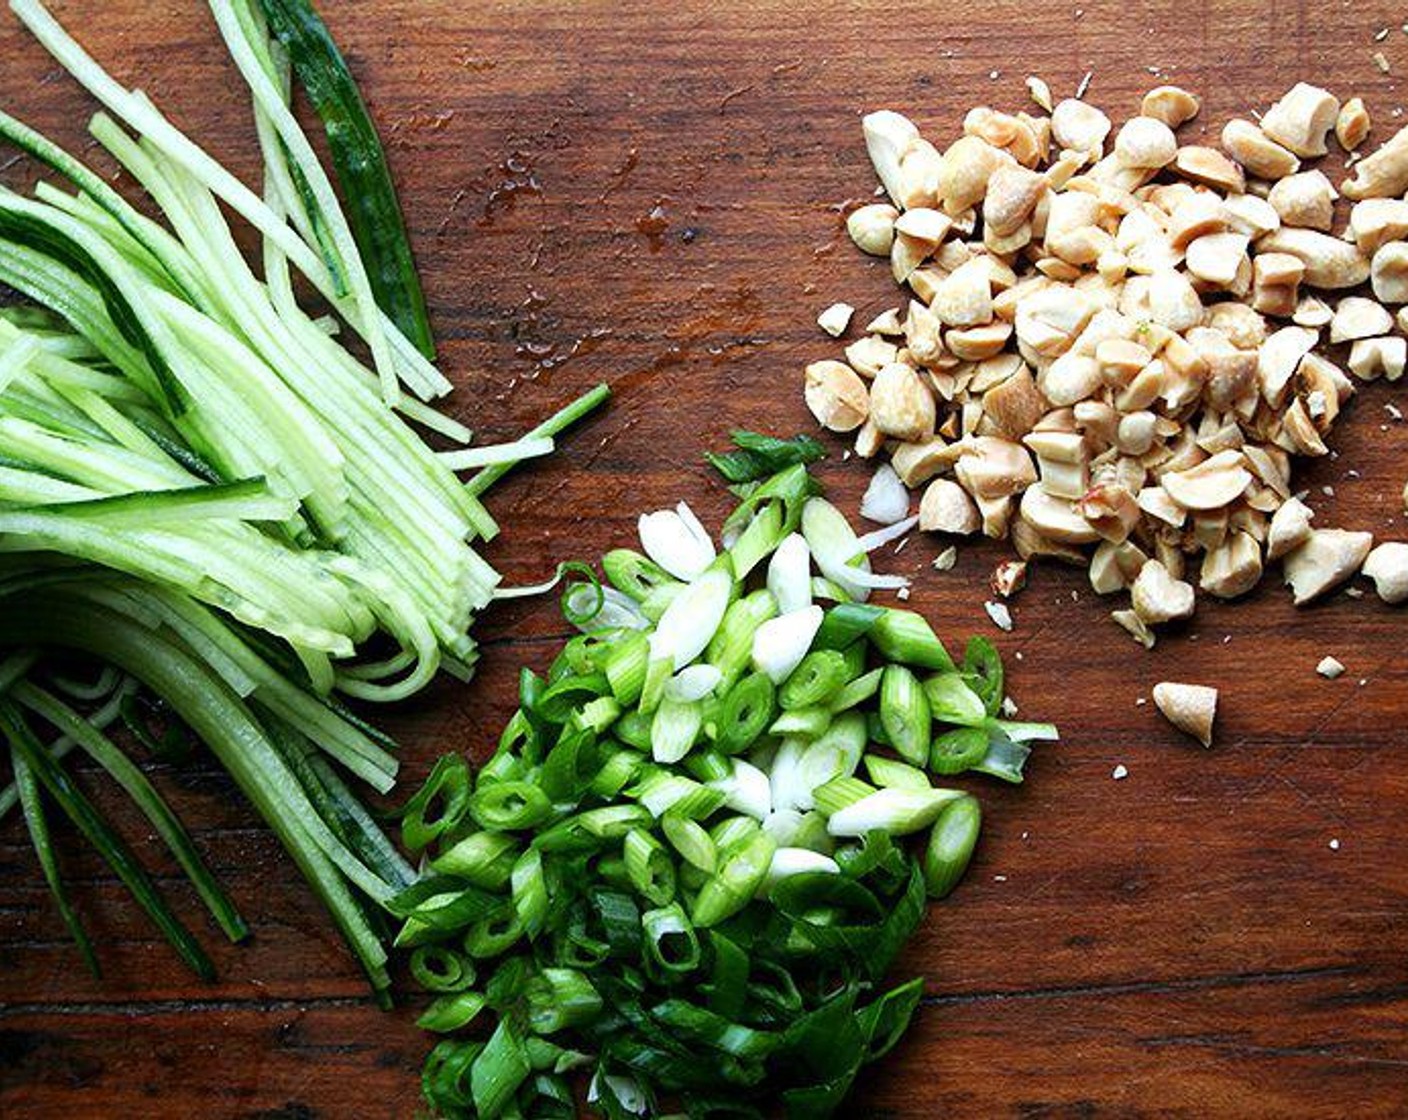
[
  {"x": 798, "y": 861},
  {"x": 838, "y": 552},
  {"x": 783, "y": 825},
  {"x": 675, "y": 540},
  {"x": 618, "y": 611},
  {"x": 886, "y": 499},
  {"x": 881, "y": 537},
  {"x": 896, "y": 811},
  {"x": 790, "y": 575},
  {"x": 694, "y": 682},
  {"x": 692, "y": 618},
  {"x": 780, "y": 643},
  {"x": 747, "y": 790}
]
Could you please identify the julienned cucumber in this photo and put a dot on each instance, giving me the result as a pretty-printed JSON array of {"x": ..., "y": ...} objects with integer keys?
[{"x": 201, "y": 486}]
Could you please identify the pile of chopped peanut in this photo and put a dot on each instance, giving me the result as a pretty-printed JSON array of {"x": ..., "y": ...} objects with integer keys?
[{"x": 1114, "y": 348}]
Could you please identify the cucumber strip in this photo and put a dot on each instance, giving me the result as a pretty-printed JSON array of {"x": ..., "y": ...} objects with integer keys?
[
  {"x": 102, "y": 750},
  {"x": 359, "y": 163}
]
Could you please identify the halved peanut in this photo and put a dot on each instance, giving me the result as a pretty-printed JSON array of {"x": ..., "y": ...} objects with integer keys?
[
  {"x": 1210, "y": 167},
  {"x": 1079, "y": 126},
  {"x": 1012, "y": 194},
  {"x": 836, "y": 396},
  {"x": 974, "y": 344},
  {"x": 1257, "y": 152},
  {"x": 968, "y": 164},
  {"x": 1313, "y": 312},
  {"x": 1211, "y": 484},
  {"x": 1146, "y": 143},
  {"x": 868, "y": 355}
]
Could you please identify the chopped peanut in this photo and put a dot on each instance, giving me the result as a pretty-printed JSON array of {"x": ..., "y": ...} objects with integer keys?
[
  {"x": 1169, "y": 104},
  {"x": 1306, "y": 199},
  {"x": 1388, "y": 272},
  {"x": 872, "y": 228},
  {"x": 1191, "y": 708},
  {"x": 1384, "y": 174},
  {"x": 1257, "y": 152},
  {"x": 1113, "y": 341},
  {"x": 901, "y": 404},
  {"x": 1352, "y": 125},
  {"x": 836, "y": 396},
  {"x": 1302, "y": 118}
]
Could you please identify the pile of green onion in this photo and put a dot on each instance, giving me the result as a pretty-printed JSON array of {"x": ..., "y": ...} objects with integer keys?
[
  {"x": 684, "y": 870},
  {"x": 204, "y": 489}
]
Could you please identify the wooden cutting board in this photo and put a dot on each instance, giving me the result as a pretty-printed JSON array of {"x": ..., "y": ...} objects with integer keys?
[{"x": 647, "y": 194}]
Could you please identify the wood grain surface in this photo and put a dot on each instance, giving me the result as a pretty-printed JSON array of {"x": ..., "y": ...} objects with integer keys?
[{"x": 1184, "y": 942}]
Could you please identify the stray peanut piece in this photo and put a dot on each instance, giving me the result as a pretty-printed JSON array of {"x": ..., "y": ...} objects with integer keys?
[
  {"x": 1331, "y": 668},
  {"x": 1191, "y": 708},
  {"x": 835, "y": 319}
]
